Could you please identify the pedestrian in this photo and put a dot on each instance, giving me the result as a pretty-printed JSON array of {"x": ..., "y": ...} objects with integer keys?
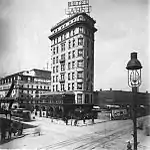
[
  {"x": 21, "y": 128},
  {"x": 66, "y": 121},
  {"x": 93, "y": 120},
  {"x": 129, "y": 146},
  {"x": 84, "y": 119},
  {"x": 75, "y": 122},
  {"x": 43, "y": 114},
  {"x": 10, "y": 130}
]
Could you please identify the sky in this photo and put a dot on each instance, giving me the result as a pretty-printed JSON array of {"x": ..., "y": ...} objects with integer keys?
[{"x": 122, "y": 28}]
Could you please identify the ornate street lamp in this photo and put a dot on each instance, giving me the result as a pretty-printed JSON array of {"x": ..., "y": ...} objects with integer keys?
[{"x": 134, "y": 81}]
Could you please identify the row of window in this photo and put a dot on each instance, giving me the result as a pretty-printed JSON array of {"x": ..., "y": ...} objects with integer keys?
[
  {"x": 70, "y": 86},
  {"x": 80, "y": 54},
  {"x": 63, "y": 45},
  {"x": 71, "y": 76},
  {"x": 37, "y": 87},
  {"x": 69, "y": 34},
  {"x": 23, "y": 78},
  {"x": 79, "y": 18},
  {"x": 71, "y": 65},
  {"x": 31, "y": 92}
]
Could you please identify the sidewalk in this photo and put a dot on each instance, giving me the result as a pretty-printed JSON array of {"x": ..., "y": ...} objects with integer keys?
[
  {"x": 71, "y": 122},
  {"x": 12, "y": 138}
]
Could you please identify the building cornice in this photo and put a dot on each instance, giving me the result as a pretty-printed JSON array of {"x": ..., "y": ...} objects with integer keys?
[{"x": 69, "y": 18}]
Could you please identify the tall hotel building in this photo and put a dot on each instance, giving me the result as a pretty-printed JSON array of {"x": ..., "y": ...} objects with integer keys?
[{"x": 72, "y": 57}]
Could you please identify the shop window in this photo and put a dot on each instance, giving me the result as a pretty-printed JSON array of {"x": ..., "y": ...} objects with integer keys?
[{"x": 79, "y": 98}]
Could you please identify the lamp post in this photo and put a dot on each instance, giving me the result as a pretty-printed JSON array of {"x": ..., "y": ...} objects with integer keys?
[{"x": 134, "y": 81}]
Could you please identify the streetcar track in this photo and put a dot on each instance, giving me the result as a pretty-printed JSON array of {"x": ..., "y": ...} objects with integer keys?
[
  {"x": 102, "y": 140},
  {"x": 83, "y": 139}
]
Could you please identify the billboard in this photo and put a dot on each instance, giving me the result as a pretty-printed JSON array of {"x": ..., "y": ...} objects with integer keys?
[{"x": 78, "y": 7}]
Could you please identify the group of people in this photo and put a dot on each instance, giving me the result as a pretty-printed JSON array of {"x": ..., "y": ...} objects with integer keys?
[
  {"x": 11, "y": 128},
  {"x": 76, "y": 120}
]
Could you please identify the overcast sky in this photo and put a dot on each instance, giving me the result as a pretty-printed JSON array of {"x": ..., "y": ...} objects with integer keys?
[{"x": 122, "y": 28}]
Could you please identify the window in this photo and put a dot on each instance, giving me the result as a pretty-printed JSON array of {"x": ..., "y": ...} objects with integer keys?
[
  {"x": 62, "y": 76},
  {"x": 62, "y": 87},
  {"x": 56, "y": 87},
  {"x": 53, "y": 60},
  {"x": 69, "y": 33},
  {"x": 79, "y": 85},
  {"x": 80, "y": 18},
  {"x": 54, "y": 51},
  {"x": 63, "y": 56},
  {"x": 69, "y": 86},
  {"x": 80, "y": 41},
  {"x": 69, "y": 44},
  {"x": 62, "y": 67},
  {"x": 53, "y": 78},
  {"x": 72, "y": 86},
  {"x": 80, "y": 75},
  {"x": 73, "y": 31},
  {"x": 80, "y": 63},
  {"x": 56, "y": 59},
  {"x": 68, "y": 76},
  {"x": 80, "y": 52},
  {"x": 79, "y": 98},
  {"x": 72, "y": 75},
  {"x": 61, "y": 37},
  {"x": 87, "y": 100},
  {"x": 69, "y": 55},
  {"x": 69, "y": 66},
  {"x": 80, "y": 29},
  {"x": 53, "y": 69},
  {"x": 57, "y": 49},
  {"x": 73, "y": 43},
  {"x": 63, "y": 47},
  {"x": 56, "y": 68},
  {"x": 73, "y": 54},
  {"x": 53, "y": 87},
  {"x": 57, "y": 40},
  {"x": 65, "y": 36},
  {"x": 57, "y": 78},
  {"x": 73, "y": 64}
]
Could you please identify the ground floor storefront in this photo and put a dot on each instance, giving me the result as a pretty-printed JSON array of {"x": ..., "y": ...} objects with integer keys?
[{"x": 61, "y": 110}]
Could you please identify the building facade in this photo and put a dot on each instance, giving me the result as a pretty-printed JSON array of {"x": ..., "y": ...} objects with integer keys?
[
  {"x": 121, "y": 98},
  {"x": 72, "y": 57},
  {"x": 27, "y": 84}
]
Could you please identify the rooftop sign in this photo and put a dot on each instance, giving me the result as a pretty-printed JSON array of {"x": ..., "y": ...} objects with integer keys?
[{"x": 78, "y": 7}]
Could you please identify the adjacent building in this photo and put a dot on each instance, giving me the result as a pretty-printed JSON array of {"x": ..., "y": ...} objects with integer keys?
[
  {"x": 72, "y": 57},
  {"x": 120, "y": 98},
  {"x": 26, "y": 84}
]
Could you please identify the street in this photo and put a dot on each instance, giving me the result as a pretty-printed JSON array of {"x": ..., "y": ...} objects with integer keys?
[{"x": 56, "y": 135}]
